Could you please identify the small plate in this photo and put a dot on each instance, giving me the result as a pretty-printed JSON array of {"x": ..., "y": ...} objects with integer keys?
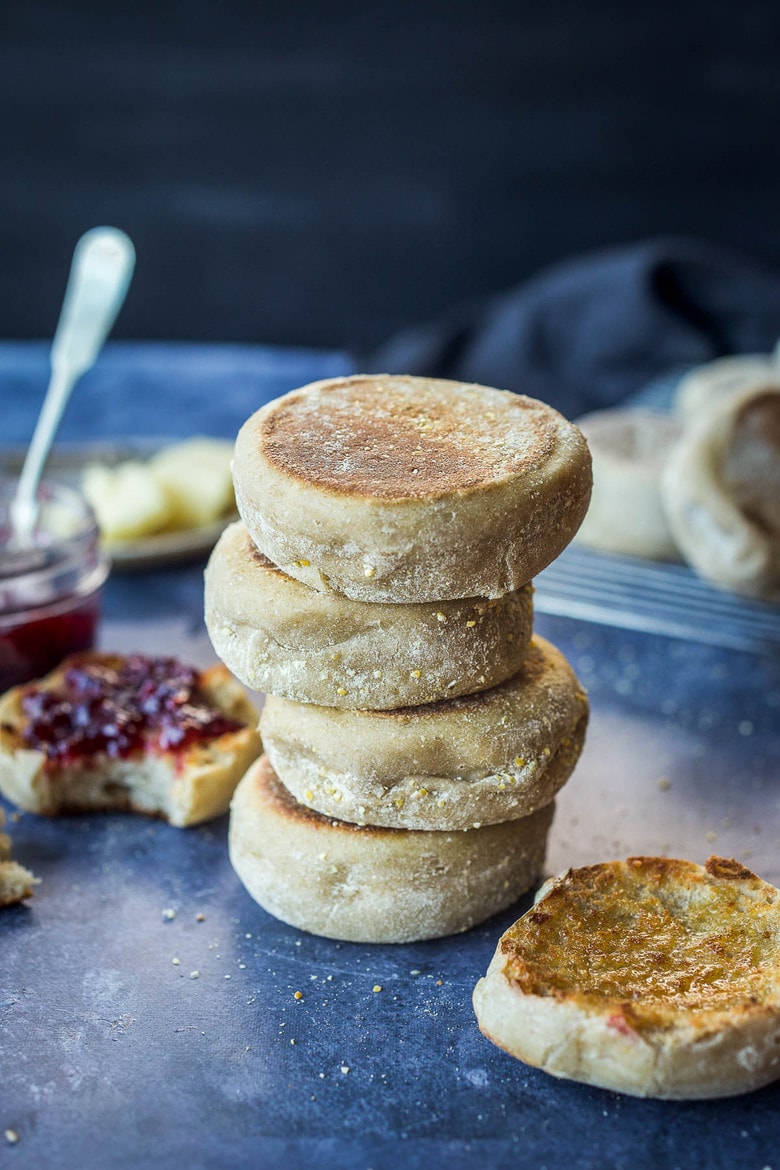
[{"x": 66, "y": 463}]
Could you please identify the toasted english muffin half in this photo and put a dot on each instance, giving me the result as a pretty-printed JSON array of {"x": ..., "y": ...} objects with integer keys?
[
  {"x": 651, "y": 976},
  {"x": 455, "y": 764},
  {"x": 401, "y": 489},
  {"x": 279, "y": 635},
  {"x": 183, "y": 784},
  {"x": 369, "y": 884},
  {"x": 721, "y": 492}
]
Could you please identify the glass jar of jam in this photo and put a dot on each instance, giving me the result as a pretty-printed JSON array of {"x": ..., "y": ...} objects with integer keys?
[{"x": 49, "y": 587}]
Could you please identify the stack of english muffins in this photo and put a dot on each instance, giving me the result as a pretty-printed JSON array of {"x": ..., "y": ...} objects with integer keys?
[{"x": 378, "y": 590}]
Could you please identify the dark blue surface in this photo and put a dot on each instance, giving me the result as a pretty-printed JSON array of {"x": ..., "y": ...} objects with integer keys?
[
  {"x": 157, "y": 388},
  {"x": 112, "y": 1056}
]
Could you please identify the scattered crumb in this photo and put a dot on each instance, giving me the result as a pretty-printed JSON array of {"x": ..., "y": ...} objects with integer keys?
[
  {"x": 664, "y": 783},
  {"x": 376, "y": 987},
  {"x": 345, "y": 1069},
  {"x": 298, "y": 995},
  {"x": 200, "y": 917},
  {"x": 169, "y": 915},
  {"x": 176, "y": 962},
  {"x": 11, "y": 1136},
  {"x": 194, "y": 974}
]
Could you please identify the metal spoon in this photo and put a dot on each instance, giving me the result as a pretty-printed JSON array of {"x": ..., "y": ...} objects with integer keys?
[{"x": 100, "y": 274}]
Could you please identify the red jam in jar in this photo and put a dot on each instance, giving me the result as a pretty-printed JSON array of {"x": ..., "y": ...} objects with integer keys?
[
  {"x": 49, "y": 587},
  {"x": 116, "y": 705}
]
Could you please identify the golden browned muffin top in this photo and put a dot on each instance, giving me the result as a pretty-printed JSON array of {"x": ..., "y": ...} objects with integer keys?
[
  {"x": 392, "y": 437},
  {"x": 645, "y": 939}
]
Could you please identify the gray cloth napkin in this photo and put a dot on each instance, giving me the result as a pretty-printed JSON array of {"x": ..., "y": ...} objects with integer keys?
[{"x": 589, "y": 332}]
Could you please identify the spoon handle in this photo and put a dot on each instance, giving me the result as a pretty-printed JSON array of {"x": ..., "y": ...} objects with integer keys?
[{"x": 102, "y": 267}]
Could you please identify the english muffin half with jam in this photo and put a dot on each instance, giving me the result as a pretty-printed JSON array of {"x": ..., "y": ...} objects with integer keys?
[
  {"x": 113, "y": 732},
  {"x": 475, "y": 760}
]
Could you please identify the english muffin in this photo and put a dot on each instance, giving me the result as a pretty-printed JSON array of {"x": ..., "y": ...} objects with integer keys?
[
  {"x": 450, "y": 765},
  {"x": 721, "y": 491},
  {"x": 281, "y": 636},
  {"x": 650, "y": 976},
  {"x": 706, "y": 386},
  {"x": 401, "y": 489},
  {"x": 368, "y": 884},
  {"x": 127, "y": 732},
  {"x": 626, "y": 513}
]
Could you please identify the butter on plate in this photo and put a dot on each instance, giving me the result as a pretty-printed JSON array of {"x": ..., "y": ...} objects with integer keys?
[{"x": 183, "y": 486}]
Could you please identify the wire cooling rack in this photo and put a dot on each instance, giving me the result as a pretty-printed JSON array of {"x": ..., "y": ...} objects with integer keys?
[{"x": 657, "y": 597}]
